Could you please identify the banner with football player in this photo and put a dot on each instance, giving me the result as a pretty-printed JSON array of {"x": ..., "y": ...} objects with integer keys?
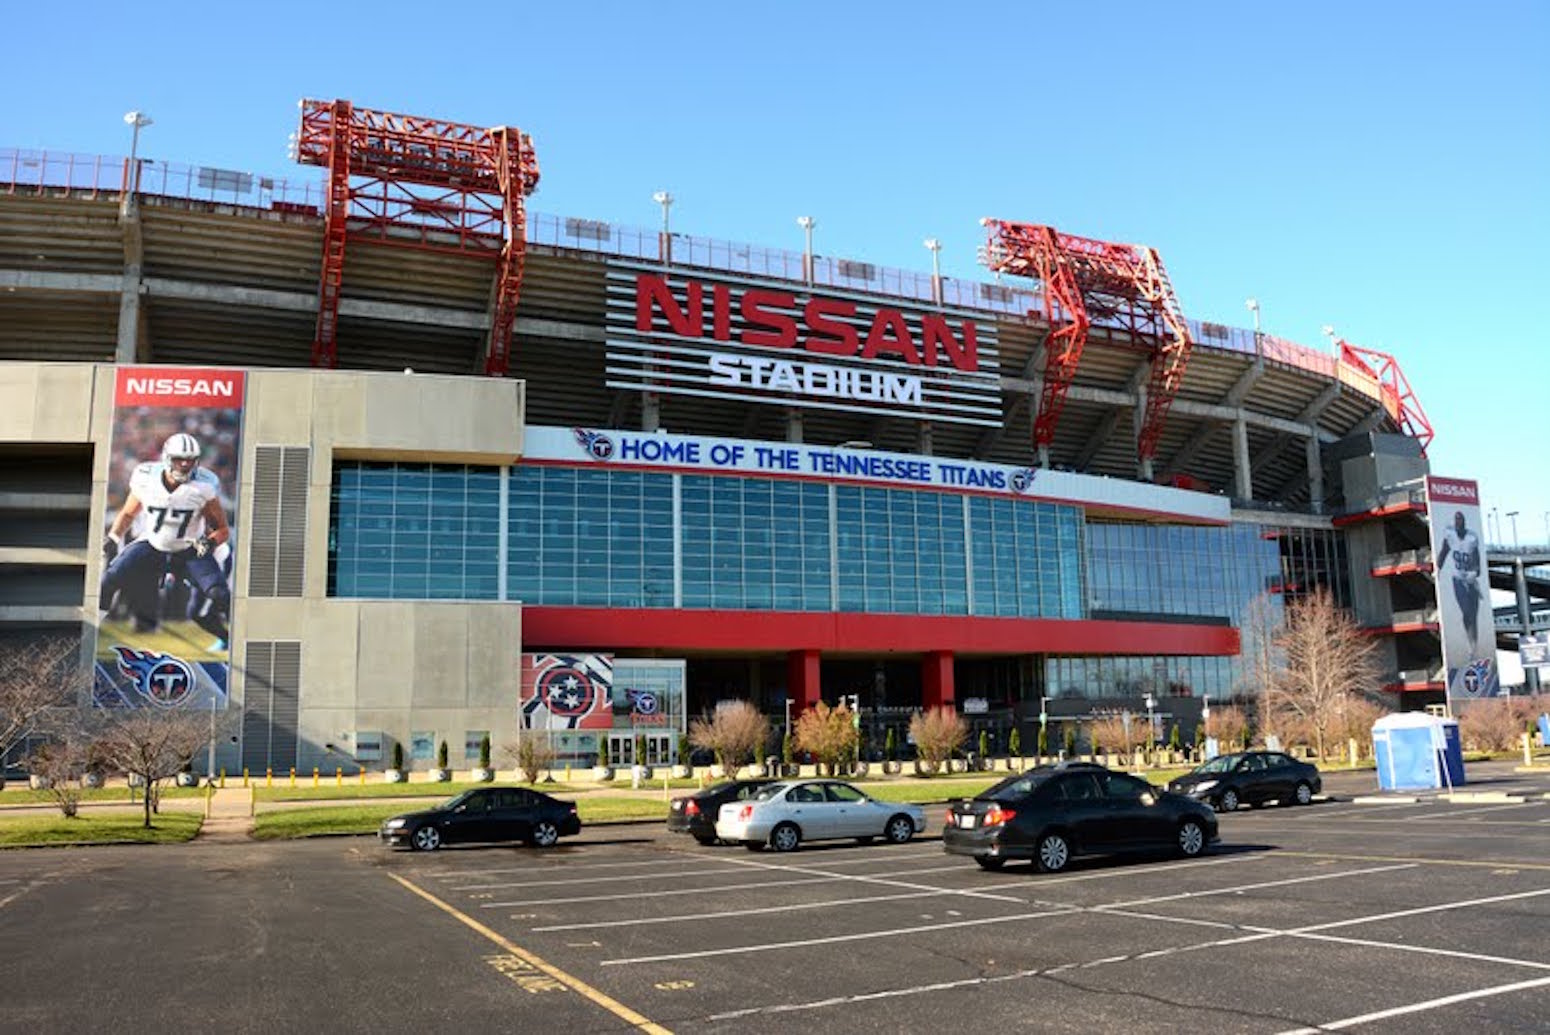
[
  {"x": 164, "y": 629},
  {"x": 1463, "y": 589}
]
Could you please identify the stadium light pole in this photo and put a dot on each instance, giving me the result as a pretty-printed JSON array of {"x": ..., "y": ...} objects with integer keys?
[
  {"x": 136, "y": 120},
  {"x": 1494, "y": 519},
  {"x": 1512, "y": 515},
  {"x": 1334, "y": 343},
  {"x": 807, "y": 223},
  {"x": 935, "y": 247},
  {"x": 665, "y": 246},
  {"x": 1253, "y": 305}
]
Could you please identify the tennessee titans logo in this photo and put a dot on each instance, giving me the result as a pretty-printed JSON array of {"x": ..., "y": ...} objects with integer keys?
[
  {"x": 642, "y": 702},
  {"x": 1477, "y": 677},
  {"x": 597, "y": 445},
  {"x": 568, "y": 692},
  {"x": 1022, "y": 479},
  {"x": 163, "y": 679}
]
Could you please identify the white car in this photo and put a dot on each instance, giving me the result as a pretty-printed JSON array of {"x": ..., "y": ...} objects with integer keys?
[{"x": 783, "y": 815}]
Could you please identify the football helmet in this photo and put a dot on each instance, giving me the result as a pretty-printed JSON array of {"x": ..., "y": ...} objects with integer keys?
[{"x": 181, "y": 453}]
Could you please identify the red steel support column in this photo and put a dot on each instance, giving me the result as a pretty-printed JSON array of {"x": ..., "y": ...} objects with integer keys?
[
  {"x": 936, "y": 680},
  {"x": 803, "y": 689}
]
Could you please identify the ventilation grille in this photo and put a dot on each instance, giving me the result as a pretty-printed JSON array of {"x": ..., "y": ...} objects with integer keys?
[
  {"x": 277, "y": 565},
  {"x": 271, "y": 696}
]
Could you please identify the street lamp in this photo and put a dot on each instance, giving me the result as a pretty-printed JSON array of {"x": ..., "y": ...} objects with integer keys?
[
  {"x": 935, "y": 247},
  {"x": 807, "y": 223},
  {"x": 1494, "y": 519},
  {"x": 1334, "y": 343},
  {"x": 1512, "y": 515},
  {"x": 665, "y": 199},
  {"x": 136, "y": 120}
]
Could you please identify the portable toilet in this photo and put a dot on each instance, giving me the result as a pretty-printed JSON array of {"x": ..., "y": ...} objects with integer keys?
[{"x": 1416, "y": 751}]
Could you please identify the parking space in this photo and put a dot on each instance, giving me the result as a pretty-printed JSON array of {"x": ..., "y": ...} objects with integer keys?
[{"x": 1427, "y": 915}]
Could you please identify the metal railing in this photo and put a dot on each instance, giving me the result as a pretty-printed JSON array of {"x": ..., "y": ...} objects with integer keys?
[{"x": 44, "y": 172}]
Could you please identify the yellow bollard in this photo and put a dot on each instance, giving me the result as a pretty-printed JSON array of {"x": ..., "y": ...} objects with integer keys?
[
  {"x": 338, "y": 776},
  {"x": 363, "y": 776},
  {"x": 244, "y": 776},
  {"x": 268, "y": 776},
  {"x": 567, "y": 772},
  {"x": 314, "y": 776},
  {"x": 293, "y": 776}
]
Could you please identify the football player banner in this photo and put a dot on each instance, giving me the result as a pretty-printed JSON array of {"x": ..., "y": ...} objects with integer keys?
[
  {"x": 1463, "y": 589},
  {"x": 164, "y": 600}
]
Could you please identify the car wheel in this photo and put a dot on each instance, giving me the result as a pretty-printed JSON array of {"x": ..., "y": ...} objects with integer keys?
[
  {"x": 785, "y": 837},
  {"x": 1192, "y": 838},
  {"x": 426, "y": 839},
  {"x": 1054, "y": 853},
  {"x": 1227, "y": 801},
  {"x": 899, "y": 830},
  {"x": 544, "y": 834},
  {"x": 987, "y": 863},
  {"x": 704, "y": 840},
  {"x": 1303, "y": 795}
]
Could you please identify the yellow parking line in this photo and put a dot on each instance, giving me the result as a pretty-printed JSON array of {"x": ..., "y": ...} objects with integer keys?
[
  {"x": 613, "y": 1006},
  {"x": 1418, "y": 859}
]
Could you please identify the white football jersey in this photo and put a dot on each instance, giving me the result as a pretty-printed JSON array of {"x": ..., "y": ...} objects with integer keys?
[
  {"x": 173, "y": 520},
  {"x": 1465, "y": 550}
]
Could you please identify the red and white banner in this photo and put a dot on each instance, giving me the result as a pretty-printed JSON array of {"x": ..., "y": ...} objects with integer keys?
[{"x": 178, "y": 386}]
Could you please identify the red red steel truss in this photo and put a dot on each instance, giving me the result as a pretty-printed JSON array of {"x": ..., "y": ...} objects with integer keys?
[
  {"x": 419, "y": 183},
  {"x": 1398, "y": 398},
  {"x": 1122, "y": 285}
]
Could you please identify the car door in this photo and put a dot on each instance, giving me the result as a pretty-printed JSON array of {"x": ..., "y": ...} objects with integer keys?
[
  {"x": 853, "y": 815},
  {"x": 511, "y": 814},
  {"x": 1134, "y": 819},
  {"x": 809, "y": 807},
  {"x": 468, "y": 820},
  {"x": 1077, "y": 804},
  {"x": 1280, "y": 777},
  {"x": 1254, "y": 783}
]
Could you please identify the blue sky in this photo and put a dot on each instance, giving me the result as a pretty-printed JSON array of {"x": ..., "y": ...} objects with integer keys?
[{"x": 1379, "y": 166}]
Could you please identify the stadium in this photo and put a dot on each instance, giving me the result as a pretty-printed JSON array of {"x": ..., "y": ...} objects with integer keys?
[{"x": 487, "y": 470}]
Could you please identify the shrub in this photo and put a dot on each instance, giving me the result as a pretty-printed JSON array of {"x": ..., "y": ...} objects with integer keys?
[
  {"x": 484, "y": 751},
  {"x": 1014, "y": 743},
  {"x": 1108, "y": 734},
  {"x": 890, "y": 745},
  {"x": 1489, "y": 725},
  {"x": 398, "y": 755},
  {"x": 828, "y": 733},
  {"x": 683, "y": 749},
  {"x": 731, "y": 733},
  {"x": 1068, "y": 739},
  {"x": 1174, "y": 739},
  {"x": 1043, "y": 741},
  {"x": 441, "y": 756},
  {"x": 937, "y": 733},
  {"x": 787, "y": 752},
  {"x": 531, "y": 756},
  {"x": 984, "y": 743}
]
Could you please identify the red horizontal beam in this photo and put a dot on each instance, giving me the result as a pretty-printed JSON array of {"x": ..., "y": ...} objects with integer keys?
[
  {"x": 595, "y": 628},
  {"x": 1403, "y": 569},
  {"x": 1379, "y": 512},
  {"x": 1401, "y": 688}
]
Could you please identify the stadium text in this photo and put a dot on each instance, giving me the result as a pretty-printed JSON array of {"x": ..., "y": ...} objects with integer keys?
[
  {"x": 813, "y": 379},
  {"x": 769, "y": 318}
]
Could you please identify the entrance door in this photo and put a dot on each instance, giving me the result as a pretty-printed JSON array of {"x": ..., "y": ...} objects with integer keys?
[
  {"x": 621, "y": 749},
  {"x": 659, "y": 749}
]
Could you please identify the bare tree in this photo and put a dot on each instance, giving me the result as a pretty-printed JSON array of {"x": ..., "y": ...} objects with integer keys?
[
  {"x": 937, "y": 734},
  {"x": 1107, "y": 733},
  {"x": 62, "y": 763},
  {"x": 40, "y": 683},
  {"x": 732, "y": 733},
  {"x": 1228, "y": 724},
  {"x": 1326, "y": 660},
  {"x": 531, "y": 754},
  {"x": 829, "y": 733},
  {"x": 153, "y": 745},
  {"x": 1490, "y": 725}
]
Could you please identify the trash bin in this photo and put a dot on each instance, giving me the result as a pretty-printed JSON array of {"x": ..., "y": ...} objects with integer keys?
[{"x": 1417, "y": 752}]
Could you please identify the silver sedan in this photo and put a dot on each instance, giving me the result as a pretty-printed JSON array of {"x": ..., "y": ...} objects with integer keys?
[{"x": 783, "y": 815}]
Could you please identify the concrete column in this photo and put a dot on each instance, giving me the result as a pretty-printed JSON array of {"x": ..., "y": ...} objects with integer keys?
[
  {"x": 127, "y": 348},
  {"x": 925, "y": 446},
  {"x": 794, "y": 429},
  {"x": 1525, "y": 613},
  {"x": 650, "y": 411},
  {"x": 1315, "y": 471},
  {"x": 1044, "y": 457},
  {"x": 936, "y": 680},
  {"x": 803, "y": 687},
  {"x": 1243, "y": 470}
]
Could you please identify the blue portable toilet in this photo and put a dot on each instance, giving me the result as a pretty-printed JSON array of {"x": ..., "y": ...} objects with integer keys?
[{"x": 1417, "y": 752}]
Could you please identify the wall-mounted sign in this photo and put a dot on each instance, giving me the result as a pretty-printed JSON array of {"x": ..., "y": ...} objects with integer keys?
[
  {"x": 679, "y": 333},
  {"x": 1463, "y": 589}
]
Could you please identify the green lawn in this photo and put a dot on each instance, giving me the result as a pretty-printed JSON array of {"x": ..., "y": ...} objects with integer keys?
[
  {"x": 365, "y": 819},
  {"x": 26, "y": 795},
  {"x": 327, "y": 790},
  {"x": 52, "y": 828}
]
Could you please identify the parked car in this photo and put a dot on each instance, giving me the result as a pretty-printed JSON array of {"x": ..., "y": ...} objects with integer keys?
[
  {"x": 783, "y": 815},
  {"x": 696, "y": 814},
  {"x": 1250, "y": 778},
  {"x": 1051, "y": 814},
  {"x": 485, "y": 814}
]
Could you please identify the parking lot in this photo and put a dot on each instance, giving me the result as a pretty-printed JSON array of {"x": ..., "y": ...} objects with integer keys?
[{"x": 1425, "y": 916}]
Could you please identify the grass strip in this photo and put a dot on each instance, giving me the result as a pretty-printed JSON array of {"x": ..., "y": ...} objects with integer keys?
[
  {"x": 119, "y": 795},
  {"x": 54, "y": 829}
]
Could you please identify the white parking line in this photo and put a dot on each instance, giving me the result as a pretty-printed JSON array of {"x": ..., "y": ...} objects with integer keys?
[
  {"x": 676, "y": 875},
  {"x": 648, "y": 894},
  {"x": 1430, "y": 1004},
  {"x": 691, "y": 917},
  {"x": 676, "y": 860},
  {"x": 1239, "y": 889}
]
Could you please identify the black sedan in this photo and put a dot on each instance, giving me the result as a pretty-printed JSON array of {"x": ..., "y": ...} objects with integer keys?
[
  {"x": 1054, "y": 813},
  {"x": 695, "y": 814},
  {"x": 485, "y": 814},
  {"x": 1250, "y": 778}
]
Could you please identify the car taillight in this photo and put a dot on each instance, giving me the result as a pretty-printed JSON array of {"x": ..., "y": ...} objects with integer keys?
[
  {"x": 691, "y": 808},
  {"x": 573, "y": 809},
  {"x": 745, "y": 813},
  {"x": 997, "y": 816},
  {"x": 951, "y": 818}
]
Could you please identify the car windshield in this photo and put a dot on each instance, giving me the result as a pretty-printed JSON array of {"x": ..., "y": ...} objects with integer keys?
[
  {"x": 774, "y": 790},
  {"x": 1219, "y": 764},
  {"x": 1019, "y": 786}
]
